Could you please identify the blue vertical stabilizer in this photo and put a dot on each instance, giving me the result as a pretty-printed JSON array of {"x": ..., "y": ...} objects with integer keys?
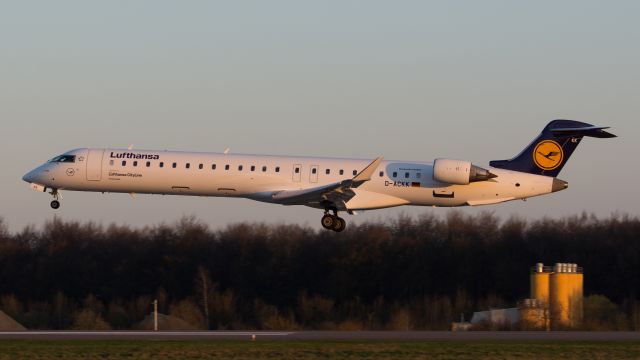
[{"x": 549, "y": 152}]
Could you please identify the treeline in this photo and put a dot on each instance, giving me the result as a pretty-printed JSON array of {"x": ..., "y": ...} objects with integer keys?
[{"x": 408, "y": 273}]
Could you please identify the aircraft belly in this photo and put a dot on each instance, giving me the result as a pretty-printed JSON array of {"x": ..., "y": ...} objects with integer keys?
[
  {"x": 372, "y": 200},
  {"x": 444, "y": 195}
]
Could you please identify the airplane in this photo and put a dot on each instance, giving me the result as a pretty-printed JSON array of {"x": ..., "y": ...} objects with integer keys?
[{"x": 330, "y": 184}]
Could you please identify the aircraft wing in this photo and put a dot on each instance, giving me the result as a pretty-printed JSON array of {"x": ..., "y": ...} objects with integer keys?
[{"x": 333, "y": 195}]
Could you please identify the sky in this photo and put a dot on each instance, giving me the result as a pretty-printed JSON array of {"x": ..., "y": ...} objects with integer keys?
[{"x": 409, "y": 80}]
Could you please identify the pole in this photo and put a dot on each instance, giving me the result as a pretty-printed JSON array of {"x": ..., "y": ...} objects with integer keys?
[{"x": 155, "y": 315}]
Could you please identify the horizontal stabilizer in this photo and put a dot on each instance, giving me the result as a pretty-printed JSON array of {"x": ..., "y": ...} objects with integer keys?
[{"x": 591, "y": 131}]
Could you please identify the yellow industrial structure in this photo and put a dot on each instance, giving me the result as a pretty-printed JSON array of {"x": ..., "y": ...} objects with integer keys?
[
  {"x": 540, "y": 283},
  {"x": 557, "y": 296},
  {"x": 555, "y": 303}
]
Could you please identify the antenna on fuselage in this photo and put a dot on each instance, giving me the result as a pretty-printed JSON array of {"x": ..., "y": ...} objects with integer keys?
[
  {"x": 130, "y": 147},
  {"x": 226, "y": 151}
]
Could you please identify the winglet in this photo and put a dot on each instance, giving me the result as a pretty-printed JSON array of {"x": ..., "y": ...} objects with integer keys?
[{"x": 365, "y": 175}]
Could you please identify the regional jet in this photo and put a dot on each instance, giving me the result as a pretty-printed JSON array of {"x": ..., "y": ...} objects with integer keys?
[{"x": 329, "y": 184}]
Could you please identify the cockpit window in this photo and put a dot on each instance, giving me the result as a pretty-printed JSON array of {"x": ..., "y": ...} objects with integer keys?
[{"x": 64, "y": 159}]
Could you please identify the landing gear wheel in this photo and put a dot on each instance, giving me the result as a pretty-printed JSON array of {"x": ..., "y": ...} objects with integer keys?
[
  {"x": 328, "y": 221},
  {"x": 55, "y": 204},
  {"x": 339, "y": 224}
]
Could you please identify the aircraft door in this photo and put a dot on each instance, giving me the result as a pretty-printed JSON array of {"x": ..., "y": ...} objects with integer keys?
[
  {"x": 94, "y": 164},
  {"x": 313, "y": 173},
  {"x": 297, "y": 172}
]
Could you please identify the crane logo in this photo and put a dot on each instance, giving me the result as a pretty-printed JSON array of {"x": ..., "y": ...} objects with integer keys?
[{"x": 548, "y": 155}]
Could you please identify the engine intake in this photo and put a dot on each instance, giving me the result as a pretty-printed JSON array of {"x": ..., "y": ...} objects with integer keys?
[{"x": 459, "y": 172}]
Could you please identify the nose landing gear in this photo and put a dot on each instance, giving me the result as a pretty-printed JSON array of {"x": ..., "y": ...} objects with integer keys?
[
  {"x": 55, "y": 204},
  {"x": 333, "y": 222}
]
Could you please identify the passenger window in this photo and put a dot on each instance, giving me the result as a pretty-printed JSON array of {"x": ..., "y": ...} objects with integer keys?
[
  {"x": 406, "y": 175},
  {"x": 161, "y": 164},
  {"x": 297, "y": 170},
  {"x": 253, "y": 168},
  {"x": 341, "y": 172},
  {"x": 174, "y": 165},
  {"x": 124, "y": 162},
  {"x": 110, "y": 162},
  {"x": 381, "y": 173},
  {"x": 327, "y": 171},
  {"x": 200, "y": 166},
  {"x": 395, "y": 174},
  {"x": 213, "y": 166},
  {"x": 277, "y": 168},
  {"x": 148, "y": 163},
  {"x": 187, "y": 165},
  {"x": 355, "y": 172},
  {"x": 226, "y": 167},
  {"x": 239, "y": 167},
  {"x": 314, "y": 170},
  {"x": 135, "y": 163},
  {"x": 264, "y": 168}
]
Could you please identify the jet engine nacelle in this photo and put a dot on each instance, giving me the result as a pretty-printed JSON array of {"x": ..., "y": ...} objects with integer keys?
[{"x": 459, "y": 172}]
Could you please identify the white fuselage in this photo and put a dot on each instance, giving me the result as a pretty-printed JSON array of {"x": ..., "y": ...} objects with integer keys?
[{"x": 260, "y": 177}]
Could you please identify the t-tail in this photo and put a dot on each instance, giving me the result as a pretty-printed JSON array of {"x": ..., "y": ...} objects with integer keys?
[{"x": 550, "y": 151}]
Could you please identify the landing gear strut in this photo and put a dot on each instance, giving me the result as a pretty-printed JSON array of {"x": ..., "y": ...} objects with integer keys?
[
  {"x": 56, "y": 195},
  {"x": 333, "y": 222}
]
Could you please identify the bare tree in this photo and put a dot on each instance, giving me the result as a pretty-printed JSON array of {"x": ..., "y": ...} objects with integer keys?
[{"x": 204, "y": 288}]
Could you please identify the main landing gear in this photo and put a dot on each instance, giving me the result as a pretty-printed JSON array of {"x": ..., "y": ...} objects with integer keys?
[
  {"x": 56, "y": 195},
  {"x": 333, "y": 222}
]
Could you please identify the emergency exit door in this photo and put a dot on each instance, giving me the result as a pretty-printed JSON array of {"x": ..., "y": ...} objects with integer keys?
[
  {"x": 313, "y": 173},
  {"x": 297, "y": 172}
]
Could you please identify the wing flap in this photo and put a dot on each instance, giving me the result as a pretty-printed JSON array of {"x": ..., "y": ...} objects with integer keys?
[{"x": 300, "y": 197}]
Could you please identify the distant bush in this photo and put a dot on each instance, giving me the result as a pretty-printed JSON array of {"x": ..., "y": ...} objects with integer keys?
[
  {"x": 601, "y": 314},
  {"x": 88, "y": 319},
  {"x": 188, "y": 311}
]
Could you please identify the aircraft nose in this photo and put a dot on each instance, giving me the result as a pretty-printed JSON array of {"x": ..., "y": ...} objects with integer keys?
[{"x": 30, "y": 176}]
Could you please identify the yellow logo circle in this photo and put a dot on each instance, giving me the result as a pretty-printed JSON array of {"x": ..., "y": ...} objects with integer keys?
[{"x": 548, "y": 155}]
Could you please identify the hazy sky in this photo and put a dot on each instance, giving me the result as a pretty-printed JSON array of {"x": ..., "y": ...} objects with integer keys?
[{"x": 410, "y": 80}]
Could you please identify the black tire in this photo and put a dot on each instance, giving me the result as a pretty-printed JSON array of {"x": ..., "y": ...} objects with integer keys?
[
  {"x": 55, "y": 204},
  {"x": 328, "y": 221},
  {"x": 339, "y": 225}
]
